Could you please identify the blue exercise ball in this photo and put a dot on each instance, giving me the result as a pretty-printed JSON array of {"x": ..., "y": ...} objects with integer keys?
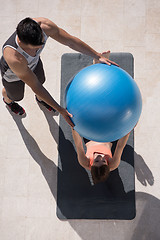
[{"x": 105, "y": 102}]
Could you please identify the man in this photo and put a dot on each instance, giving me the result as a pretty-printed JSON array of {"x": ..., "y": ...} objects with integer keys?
[{"x": 21, "y": 64}]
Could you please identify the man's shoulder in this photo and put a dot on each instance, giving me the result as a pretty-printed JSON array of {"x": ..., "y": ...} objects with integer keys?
[
  {"x": 40, "y": 19},
  {"x": 43, "y": 22},
  {"x": 12, "y": 56},
  {"x": 48, "y": 26}
]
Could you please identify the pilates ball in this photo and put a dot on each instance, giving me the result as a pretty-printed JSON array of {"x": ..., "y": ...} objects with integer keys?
[{"x": 105, "y": 102}]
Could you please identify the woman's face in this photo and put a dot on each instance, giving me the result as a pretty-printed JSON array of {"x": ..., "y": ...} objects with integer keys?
[{"x": 99, "y": 159}]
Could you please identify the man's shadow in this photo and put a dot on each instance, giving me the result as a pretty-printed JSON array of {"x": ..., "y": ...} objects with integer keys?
[
  {"x": 114, "y": 186},
  {"x": 48, "y": 167}
]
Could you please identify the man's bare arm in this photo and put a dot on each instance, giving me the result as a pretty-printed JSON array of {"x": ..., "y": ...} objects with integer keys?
[
  {"x": 60, "y": 35},
  {"x": 18, "y": 65}
]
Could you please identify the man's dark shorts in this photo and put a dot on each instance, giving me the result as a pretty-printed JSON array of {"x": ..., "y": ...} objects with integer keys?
[{"x": 15, "y": 90}]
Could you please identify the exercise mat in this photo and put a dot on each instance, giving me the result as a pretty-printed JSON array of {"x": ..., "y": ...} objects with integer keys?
[{"x": 77, "y": 196}]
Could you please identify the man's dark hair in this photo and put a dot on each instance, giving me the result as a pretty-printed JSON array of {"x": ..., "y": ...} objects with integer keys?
[
  {"x": 100, "y": 174},
  {"x": 29, "y": 32}
]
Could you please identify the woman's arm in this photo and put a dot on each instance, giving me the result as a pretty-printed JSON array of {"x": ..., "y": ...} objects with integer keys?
[
  {"x": 115, "y": 161},
  {"x": 82, "y": 159}
]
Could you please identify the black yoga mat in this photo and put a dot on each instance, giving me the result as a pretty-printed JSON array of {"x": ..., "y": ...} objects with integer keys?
[{"x": 77, "y": 197}]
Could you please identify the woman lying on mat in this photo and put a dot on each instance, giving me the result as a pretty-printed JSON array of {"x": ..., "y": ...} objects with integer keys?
[{"x": 98, "y": 157}]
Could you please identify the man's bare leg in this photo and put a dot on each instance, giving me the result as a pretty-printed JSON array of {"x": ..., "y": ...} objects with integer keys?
[{"x": 6, "y": 98}]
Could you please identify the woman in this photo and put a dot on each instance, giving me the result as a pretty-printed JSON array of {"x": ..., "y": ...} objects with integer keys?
[{"x": 98, "y": 157}]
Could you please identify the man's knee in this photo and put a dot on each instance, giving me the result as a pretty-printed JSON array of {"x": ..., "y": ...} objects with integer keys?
[{"x": 16, "y": 98}]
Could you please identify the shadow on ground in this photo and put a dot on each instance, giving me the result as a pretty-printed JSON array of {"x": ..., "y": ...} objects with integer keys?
[{"x": 144, "y": 226}]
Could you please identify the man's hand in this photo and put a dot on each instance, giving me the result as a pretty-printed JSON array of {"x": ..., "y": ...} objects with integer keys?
[
  {"x": 104, "y": 58},
  {"x": 67, "y": 116},
  {"x": 107, "y": 61}
]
